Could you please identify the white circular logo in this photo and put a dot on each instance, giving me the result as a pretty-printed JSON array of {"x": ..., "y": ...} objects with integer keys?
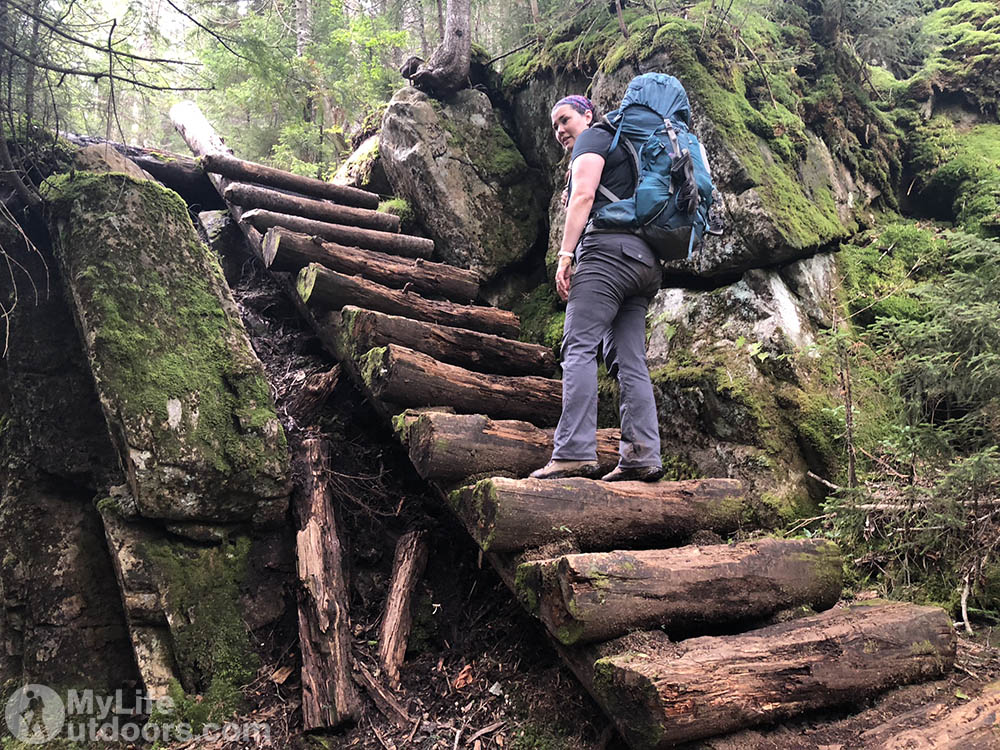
[{"x": 35, "y": 714}]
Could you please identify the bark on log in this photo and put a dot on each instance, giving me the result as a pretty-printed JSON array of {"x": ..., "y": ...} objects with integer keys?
[
  {"x": 254, "y": 196},
  {"x": 404, "y": 377},
  {"x": 332, "y": 290},
  {"x": 304, "y": 404},
  {"x": 370, "y": 239},
  {"x": 449, "y": 447},
  {"x": 221, "y": 161},
  {"x": 290, "y": 251},
  {"x": 515, "y": 514},
  {"x": 602, "y": 595},
  {"x": 970, "y": 726},
  {"x": 707, "y": 686},
  {"x": 483, "y": 352},
  {"x": 407, "y": 567},
  {"x": 328, "y": 694}
]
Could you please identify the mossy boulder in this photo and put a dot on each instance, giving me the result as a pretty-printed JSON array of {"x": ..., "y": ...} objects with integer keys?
[
  {"x": 363, "y": 169},
  {"x": 740, "y": 387},
  {"x": 466, "y": 180},
  {"x": 184, "y": 395}
]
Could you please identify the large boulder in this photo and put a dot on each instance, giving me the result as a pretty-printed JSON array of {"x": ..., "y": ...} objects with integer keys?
[
  {"x": 363, "y": 169},
  {"x": 183, "y": 393},
  {"x": 466, "y": 180},
  {"x": 735, "y": 373}
]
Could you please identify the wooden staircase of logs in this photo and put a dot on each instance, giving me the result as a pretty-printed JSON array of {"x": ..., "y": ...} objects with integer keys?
[{"x": 606, "y": 567}]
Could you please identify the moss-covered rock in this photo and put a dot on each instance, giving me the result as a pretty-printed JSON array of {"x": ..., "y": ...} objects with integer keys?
[
  {"x": 363, "y": 168},
  {"x": 183, "y": 392},
  {"x": 467, "y": 181}
]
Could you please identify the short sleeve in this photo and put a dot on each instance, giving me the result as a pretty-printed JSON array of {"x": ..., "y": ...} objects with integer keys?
[{"x": 592, "y": 141}]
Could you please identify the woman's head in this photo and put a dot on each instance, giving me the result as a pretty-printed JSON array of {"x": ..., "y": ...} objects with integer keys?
[{"x": 571, "y": 116}]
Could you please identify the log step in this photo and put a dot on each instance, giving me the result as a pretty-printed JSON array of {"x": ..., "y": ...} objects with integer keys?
[
  {"x": 449, "y": 447},
  {"x": 370, "y": 239},
  {"x": 237, "y": 169},
  {"x": 515, "y": 514},
  {"x": 363, "y": 330},
  {"x": 407, "y": 378},
  {"x": 602, "y": 595},
  {"x": 669, "y": 693},
  {"x": 254, "y": 196},
  {"x": 321, "y": 286},
  {"x": 970, "y": 726},
  {"x": 290, "y": 251}
]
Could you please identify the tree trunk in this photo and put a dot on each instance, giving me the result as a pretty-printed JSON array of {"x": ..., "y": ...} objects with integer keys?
[
  {"x": 318, "y": 285},
  {"x": 602, "y": 595},
  {"x": 303, "y": 26},
  {"x": 660, "y": 697},
  {"x": 515, "y": 514},
  {"x": 448, "y": 69},
  {"x": 407, "y": 567},
  {"x": 224, "y": 163},
  {"x": 370, "y": 239},
  {"x": 447, "y": 448},
  {"x": 328, "y": 695},
  {"x": 252, "y": 196},
  {"x": 290, "y": 251},
  {"x": 969, "y": 726},
  {"x": 482, "y": 352},
  {"x": 404, "y": 377}
]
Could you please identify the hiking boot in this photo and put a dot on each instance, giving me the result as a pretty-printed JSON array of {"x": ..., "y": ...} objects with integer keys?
[
  {"x": 557, "y": 468},
  {"x": 634, "y": 474}
]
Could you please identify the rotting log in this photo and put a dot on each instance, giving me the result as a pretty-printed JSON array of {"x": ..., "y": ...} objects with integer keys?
[
  {"x": 255, "y": 196},
  {"x": 407, "y": 567},
  {"x": 321, "y": 286},
  {"x": 970, "y": 726},
  {"x": 449, "y": 447},
  {"x": 291, "y": 251},
  {"x": 370, "y": 239},
  {"x": 602, "y": 595},
  {"x": 706, "y": 686},
  {"x": 304, "y": 404},
  {"x": 483, "y": 352},
  {"x": 329, "y": 697},
  {"x": 401, "y": 376},
  {"x": 514, "y": 514},
  {"x": 223, "y": 163}
]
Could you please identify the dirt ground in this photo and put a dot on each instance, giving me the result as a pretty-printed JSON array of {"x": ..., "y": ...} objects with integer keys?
[{"x": 480, "y": 673}]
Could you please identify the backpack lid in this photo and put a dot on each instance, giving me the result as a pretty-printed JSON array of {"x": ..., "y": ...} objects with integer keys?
[{"x": 659, "y": 92}]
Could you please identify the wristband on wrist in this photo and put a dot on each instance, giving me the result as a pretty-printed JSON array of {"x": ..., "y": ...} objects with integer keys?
[{"x": 565, "y": 253}]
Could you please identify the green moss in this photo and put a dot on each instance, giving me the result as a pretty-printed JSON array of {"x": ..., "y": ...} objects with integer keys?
[
  {"x": 541, "y": 316},
  {"x": 398, "y": 207},
  {"x": 372, "y": 365},
  {"x": 637, "y": 699},
  {"x": 677, "y": 468},
  {"x": 159, "y": 333},
  {"x": 527, "y": 581},
  {"x": 211, "y": 646}
]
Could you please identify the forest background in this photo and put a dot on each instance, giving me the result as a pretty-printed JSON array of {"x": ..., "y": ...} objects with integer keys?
[{"x": 917, "y": 356}]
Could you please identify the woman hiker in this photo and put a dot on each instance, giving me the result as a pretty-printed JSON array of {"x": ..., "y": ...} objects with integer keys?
[{"x": 609, "y": 289}]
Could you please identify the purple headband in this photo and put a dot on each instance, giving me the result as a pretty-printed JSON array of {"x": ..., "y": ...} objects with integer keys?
[{"x": 580, "y": 103}]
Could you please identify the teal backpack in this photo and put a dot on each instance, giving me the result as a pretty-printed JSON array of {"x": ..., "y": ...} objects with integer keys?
[{"x": 673, "y": 193}]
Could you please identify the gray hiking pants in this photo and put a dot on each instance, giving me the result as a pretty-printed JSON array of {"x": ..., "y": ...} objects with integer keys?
[{"x": 616, "y": 275}]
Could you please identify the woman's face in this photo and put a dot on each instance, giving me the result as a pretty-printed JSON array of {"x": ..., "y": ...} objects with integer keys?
[{"x": 567, "y": 124}]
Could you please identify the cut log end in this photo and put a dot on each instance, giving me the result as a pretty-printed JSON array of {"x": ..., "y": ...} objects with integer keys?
[
  {"x": 269, "y": 248},
  {"x": 306, "y": 281}
]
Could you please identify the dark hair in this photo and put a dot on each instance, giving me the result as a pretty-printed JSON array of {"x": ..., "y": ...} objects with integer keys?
[{"x": 578, "y": 102}]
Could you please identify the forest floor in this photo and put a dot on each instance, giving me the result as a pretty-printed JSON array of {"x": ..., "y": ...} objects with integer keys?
[{"x": 480, "y": 673}]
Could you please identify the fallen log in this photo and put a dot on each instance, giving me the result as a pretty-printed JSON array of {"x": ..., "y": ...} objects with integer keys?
[
  {"x": 404, "y": 377},
  {"x": 332, "y": 290},
  {"x": 254, "y": 196},
  {"x": 483, "y": 352},
  {"x": 220, "y": 162},
  {"x": 370, "y": 239},
  {"x": 328, "y": 694},
  {"x": 515, "y": 514},
  {"x": 407, "y": 567},
  {"x": 304, "y": 404},
  {"x": 970, "y": 726},
  {"x": 602, "y": 595},
  {"x": 661, "y": 697},
  {"x": 290, "y": 251},
  {"x": 450, "y": 447}
]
